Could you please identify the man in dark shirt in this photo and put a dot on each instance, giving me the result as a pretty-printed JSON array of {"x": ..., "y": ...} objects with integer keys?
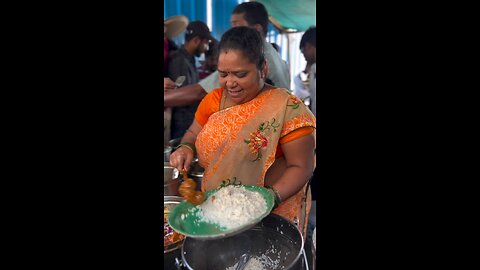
[{"x": 182, "y": 63}]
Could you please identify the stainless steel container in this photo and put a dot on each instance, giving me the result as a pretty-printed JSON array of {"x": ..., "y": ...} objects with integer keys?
[
  {"x": 174, "y": 142},
  {"x": 169, "y": 148},
  {"x": 314, "y": 248},
  {"x": 171, "y": 251},
  {"x": 171, "y": 181},
  {"x": 196, "y": 173},
  {"x": 275, "y": 240},
  {"x": 167, "y": 151},
  {"x": 170, "y": 202}
]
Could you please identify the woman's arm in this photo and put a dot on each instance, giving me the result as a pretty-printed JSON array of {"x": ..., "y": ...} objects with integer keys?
[
  {"x": 289, "y": 175},
  {"x": 183, "y": 156}
]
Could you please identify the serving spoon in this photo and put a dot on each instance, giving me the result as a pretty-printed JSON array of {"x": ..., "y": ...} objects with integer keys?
[{"x": 187, "y": 190}]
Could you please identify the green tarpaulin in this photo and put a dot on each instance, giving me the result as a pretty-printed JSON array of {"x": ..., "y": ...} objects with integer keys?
[{"x": 291, "y": 15}]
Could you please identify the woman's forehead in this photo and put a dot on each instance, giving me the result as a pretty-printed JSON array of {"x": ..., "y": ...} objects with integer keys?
[
  {"x": 233, "y": 57},
  {"x": 230, "y": 53}
]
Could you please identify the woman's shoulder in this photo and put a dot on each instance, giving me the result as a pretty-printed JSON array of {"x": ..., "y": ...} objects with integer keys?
[
  {"x": 215, "y": 95},
  {"x": 212, "y": 99},
  {"x": 282, "y": 92},
  {"x": 209, "y": 105}
]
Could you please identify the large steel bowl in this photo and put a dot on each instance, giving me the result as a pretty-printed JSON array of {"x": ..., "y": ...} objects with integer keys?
[
  {"x": 314, "y": 248},
  {"x": 275, "y": 239}
]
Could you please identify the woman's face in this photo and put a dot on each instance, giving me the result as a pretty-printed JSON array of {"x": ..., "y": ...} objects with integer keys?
[{"x": 238, "y": 76}]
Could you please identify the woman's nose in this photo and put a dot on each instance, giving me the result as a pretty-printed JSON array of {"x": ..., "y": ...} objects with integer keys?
[{"x": 231, "y": 82}]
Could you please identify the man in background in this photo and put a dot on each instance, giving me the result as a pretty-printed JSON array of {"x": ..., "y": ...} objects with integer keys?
[
  {"x": 308, "y": 46},
  {"x": 251, "y": 14},
  {"x": 210, "y": 64},
  {"x": 182, "y": 63}
]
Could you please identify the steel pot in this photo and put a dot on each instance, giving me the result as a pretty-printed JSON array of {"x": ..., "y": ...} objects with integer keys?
[
  {"x": 314, "y": 248},
  {"x": 171, "y": 181},
  {"x": 167, "y": 151},
  {"x": 196, "y": 169},
  {"x": 196, "y": 173},
  {"x": 174, "y": 142},
  {"x": 275, "y": 240}
]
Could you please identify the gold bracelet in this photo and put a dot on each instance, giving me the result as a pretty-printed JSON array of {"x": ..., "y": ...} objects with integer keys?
[
  {"x": 277, "y": 198},
  {"x": 189, "y": 145}
]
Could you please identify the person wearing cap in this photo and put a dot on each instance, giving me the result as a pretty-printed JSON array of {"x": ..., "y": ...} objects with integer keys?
[
  {"x": 172, "y": 27},
  {"x": 182, "y": 63},
  {"x": 250, "y": 14}
]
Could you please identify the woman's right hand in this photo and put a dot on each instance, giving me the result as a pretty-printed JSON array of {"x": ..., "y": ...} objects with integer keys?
[{"x": 182, "y": 158}]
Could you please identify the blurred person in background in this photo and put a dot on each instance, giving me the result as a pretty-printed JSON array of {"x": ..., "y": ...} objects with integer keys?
[
  {"x": 168, "y": 85},
  {"x": 172, "y": 27},
  {"x": 182, "y": 63},
  {"x": 304, "y": 82},
  {"x": 209, "y": 65},
  {"x": 253, "y": 15},
  {"x": 300, "y": 85}
]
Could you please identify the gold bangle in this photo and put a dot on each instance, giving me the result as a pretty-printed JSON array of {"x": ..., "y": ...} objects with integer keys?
[
  {"x": 189, "y": 145},
  {"x": 278, "y": 199}
]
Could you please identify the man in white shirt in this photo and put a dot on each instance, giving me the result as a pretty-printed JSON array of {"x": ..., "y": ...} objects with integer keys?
[{"x": 251, "y": 14}]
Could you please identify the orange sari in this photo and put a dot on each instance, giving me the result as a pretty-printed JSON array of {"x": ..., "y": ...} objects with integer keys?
[{"x": 242, "y": 142}]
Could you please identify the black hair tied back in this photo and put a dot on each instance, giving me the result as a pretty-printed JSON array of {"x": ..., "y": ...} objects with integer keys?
[{"x": 246, "y": 40}]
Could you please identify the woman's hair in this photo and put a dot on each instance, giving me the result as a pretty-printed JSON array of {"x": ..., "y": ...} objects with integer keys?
[{"x": 245, "y": 39}]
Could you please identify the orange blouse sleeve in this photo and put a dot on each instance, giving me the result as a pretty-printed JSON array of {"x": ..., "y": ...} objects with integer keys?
[
  {"x": 298, "y": 133},
  {"x": 209, "y": 105}
]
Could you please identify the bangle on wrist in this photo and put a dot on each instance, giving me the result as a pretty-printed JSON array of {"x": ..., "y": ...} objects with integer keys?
[
  {"x": 278, "y": 200},
  {"x": 189, "y": 145}
]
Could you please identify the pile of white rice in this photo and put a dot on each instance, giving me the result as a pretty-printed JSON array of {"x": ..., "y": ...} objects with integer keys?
[
  {"x": 232, "y": 206},
  {"x": 252, "y": 264}
]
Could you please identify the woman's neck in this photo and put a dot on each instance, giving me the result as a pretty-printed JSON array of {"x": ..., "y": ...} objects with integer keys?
[{"x": 227, "y": 103}]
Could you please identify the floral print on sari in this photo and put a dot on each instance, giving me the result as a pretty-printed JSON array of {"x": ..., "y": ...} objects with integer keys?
[
  {"x": 241, "y": 142},
  {"x": 258, "y": 139}
]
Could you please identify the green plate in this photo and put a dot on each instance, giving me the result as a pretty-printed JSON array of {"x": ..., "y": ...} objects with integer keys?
[{"x": 191, "y": 225}]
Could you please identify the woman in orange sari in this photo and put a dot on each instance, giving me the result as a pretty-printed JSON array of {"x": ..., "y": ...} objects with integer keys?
[{"x": 252, "y": 132}]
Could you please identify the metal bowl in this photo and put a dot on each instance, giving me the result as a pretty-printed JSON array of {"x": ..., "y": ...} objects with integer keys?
[
  {"x": 174, "y": 142},
  {"x": 171, "y": 181},
  {"x": 275, "y": 239},
  {"x": 314, "y": 248},
  {"x": 167, "y": 151},
  {"x": 196, "y": 173},
  {"x": 195, "y": 169}
]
